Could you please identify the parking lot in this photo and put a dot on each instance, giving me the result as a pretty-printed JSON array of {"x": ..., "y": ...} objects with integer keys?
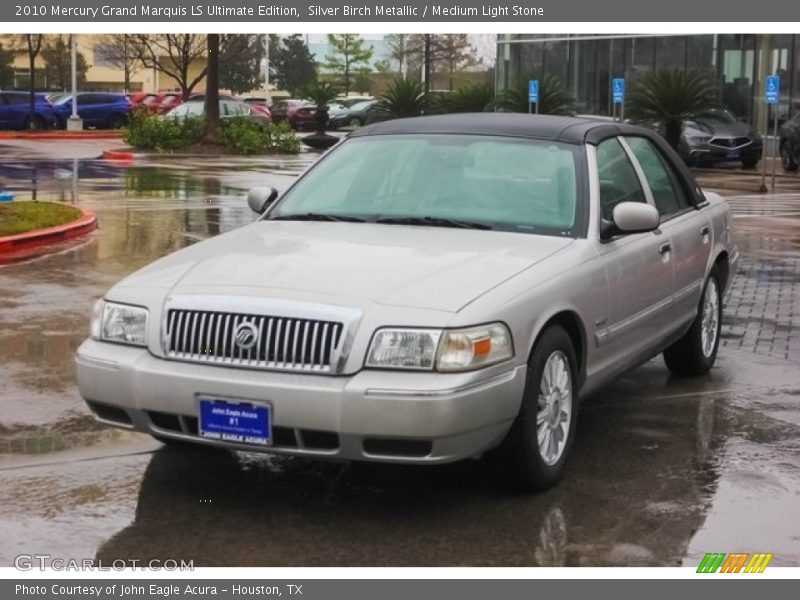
[{"x": 665, "y": 469}]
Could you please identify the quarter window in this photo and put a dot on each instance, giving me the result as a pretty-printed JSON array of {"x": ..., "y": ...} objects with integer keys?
[
  {"x": 668, "y": 194},
  {"x": 618, "y": 179}
]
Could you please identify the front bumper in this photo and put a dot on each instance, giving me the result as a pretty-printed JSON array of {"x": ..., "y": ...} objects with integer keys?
[
  {"x": 387, "y": 416},
  {"x": 712, "y": 153}
]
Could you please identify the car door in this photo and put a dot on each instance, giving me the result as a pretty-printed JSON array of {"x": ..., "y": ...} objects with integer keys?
[
  {"x": 87, "y": 110},
  {"x": 638, "y": 267},
  {"x": 687, "y": 226},
  {"x": 5, "y": 112}
]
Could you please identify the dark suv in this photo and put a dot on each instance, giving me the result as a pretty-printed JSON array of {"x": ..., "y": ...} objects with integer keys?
[
  {"x": 15, "y": 111},
  {"x": 97, "y": 109},
  {"x": 718, "y": 136},
  {"x": 790, "y": 143}
]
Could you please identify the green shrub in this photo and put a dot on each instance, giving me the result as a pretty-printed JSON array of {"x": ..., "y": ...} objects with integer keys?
[
  {"x": 163, "y": 134},
  {"x": 240, "y": 135},
  {"x": 243, "y": 135},
  {"x": 281, "y": 138}
]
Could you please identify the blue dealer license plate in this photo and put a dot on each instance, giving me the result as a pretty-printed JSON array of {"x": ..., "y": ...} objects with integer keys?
[{"x": 235, "y": 421}]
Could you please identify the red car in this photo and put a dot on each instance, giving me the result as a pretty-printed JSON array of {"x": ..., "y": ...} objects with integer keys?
[
  {"x": 168, "y": 101},
  {"x": 300, "y": 114},
  {"x": 149, "y": 100}
]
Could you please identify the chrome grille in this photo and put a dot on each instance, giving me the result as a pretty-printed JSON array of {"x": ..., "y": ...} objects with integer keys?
[
  {"x": 729, "y": 142},
  {"x": 281, "y": 343}
]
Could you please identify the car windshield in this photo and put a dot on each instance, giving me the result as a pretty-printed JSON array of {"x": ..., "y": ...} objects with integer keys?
[
  {"x": 60, "y": 98},
  {"x": 361, "y": 105},
  {"x": 448, "y": 180}
]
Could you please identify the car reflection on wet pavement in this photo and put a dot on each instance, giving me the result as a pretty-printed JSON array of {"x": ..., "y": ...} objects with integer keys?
[{"x": 663, "y": 470}]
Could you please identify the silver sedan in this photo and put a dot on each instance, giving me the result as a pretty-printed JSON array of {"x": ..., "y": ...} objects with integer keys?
[{"x": 431, "y": 290}]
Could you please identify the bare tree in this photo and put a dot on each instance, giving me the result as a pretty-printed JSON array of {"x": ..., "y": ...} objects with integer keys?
[
  {"x": 173, "y": 54},
  {"x": 32, "y": 44},
  {"x": 118, "y": 51}
]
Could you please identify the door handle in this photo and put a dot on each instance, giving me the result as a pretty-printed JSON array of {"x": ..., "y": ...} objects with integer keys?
[
  {"x": 664, "y": 248},
  {"x": 704, "y": 231}
]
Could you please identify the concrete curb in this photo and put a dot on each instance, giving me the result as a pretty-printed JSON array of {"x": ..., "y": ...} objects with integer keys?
[
  {"x": 36, "y": 242},
  {"x": 59, "y": 135},
  {"x": 118, "y": 155}
]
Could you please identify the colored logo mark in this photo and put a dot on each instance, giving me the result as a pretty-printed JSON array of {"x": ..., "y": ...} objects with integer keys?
[{"x": 736, "y": 562}]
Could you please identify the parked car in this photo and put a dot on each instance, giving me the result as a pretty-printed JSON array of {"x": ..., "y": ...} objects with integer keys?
[
  {"x": 429, "y": 290},
  {"x": 789, "y": 135},
  {"x": 351, "y": 100},
  {"x": 254, "y": 108},
  {"x": 718, "y": 136},
  {"x": 259, "y": 104},
  {"x": 168, "y": 101},
  {"x": 353, "y": 116},
  {"x": 15, "y": 111},
  {"x": 146, "y": 100},
  {"x": 97, "y": 109},
  {"x": 227, "y": 110},
  {"x": 300, "y": 114}
]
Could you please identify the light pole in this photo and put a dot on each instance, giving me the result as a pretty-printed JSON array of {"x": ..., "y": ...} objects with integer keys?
[
  {"x": 267, "y": 95},
  {"x": 74, "y": 123}
]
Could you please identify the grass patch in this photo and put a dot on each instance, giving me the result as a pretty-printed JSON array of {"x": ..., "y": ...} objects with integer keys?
[{"x": 21, "y": 217}]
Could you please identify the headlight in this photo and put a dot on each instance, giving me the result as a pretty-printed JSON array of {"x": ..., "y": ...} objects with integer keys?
[
  {"x": 700, "y": 139},
  {"x": 441, "y": 350},
  {"x": 466, "y": 349},
  {"x": 404, "y": 349},
  {"x": 121, "y": 323}
]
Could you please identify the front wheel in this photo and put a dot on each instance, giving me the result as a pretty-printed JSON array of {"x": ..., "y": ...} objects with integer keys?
[
  {"x": 695, "y": 353},
  {"x": 788, "y": 160},
  {"x": 750, "y": 163},
  {"x": 536, "y": 449}
]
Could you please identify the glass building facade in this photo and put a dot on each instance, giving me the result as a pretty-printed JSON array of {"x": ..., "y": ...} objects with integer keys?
[{"x": 586, "y": 64}]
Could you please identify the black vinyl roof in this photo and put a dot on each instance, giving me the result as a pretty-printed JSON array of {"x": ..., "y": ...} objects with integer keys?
[{"x": 573, "y": 130}]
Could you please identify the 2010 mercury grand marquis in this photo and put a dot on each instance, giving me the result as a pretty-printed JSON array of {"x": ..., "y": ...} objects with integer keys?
[{"x": 429, "y": 290}]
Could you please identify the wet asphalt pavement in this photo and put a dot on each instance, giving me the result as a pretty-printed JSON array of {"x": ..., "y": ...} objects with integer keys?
[{"x": 663, "y": 469}]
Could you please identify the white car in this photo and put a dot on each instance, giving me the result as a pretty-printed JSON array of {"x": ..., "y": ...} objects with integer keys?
[{"x": 431, "y": 289}]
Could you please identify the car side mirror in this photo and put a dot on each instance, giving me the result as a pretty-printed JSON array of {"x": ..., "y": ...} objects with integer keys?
[
  {"x": 260, "y": 199},
  {"x": 630, "y": 217}
]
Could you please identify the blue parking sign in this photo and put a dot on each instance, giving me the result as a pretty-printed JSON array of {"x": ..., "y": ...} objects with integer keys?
[
  {"x": 618, "y": 90},
  {"x": 533, "y": 91},
  {"x": 772, "y": 89}
]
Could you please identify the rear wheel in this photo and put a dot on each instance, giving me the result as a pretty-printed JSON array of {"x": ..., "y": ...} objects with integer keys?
[
  {"x": 788, "y": 158},
  {"x": 695, "y": 353},
  {"x": 116, "y": 121},
  {"x": 536, "y": 449},
  {"x": 38, "y": 123}
]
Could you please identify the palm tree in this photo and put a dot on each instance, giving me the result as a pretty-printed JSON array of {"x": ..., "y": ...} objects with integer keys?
[
  {"x": 403, "y": 98},
  {"x": 476, "y": 97},
  {"x": 670, "y": 97},
  {"x": 554, "y": 99},
  {"x": 321, "y": 94}
]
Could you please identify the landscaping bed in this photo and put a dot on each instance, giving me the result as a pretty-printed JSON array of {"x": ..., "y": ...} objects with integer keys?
[{"x": 22, "y": 217}]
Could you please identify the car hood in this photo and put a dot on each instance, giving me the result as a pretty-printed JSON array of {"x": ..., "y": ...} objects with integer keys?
[
  {"x": 717, "y": 129},
  {"x": 424, "y": 267}
]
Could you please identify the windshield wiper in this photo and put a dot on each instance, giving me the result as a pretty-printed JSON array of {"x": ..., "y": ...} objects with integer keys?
[
  {"x": 318, "y": 217},
  {"x": 433, "y": 222}
]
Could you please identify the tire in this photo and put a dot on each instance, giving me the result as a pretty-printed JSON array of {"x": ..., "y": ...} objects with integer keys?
[
  {"x": 38, "y": 123},
  {"x": 788, "y": 160},
  {"x": 695, "y": 353},
  {"x": 116, "y": 121},
  {"x": 533, "y": 465},
  {"x": 750, "y": 163},
  {"x": 355, "y": 122}
]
